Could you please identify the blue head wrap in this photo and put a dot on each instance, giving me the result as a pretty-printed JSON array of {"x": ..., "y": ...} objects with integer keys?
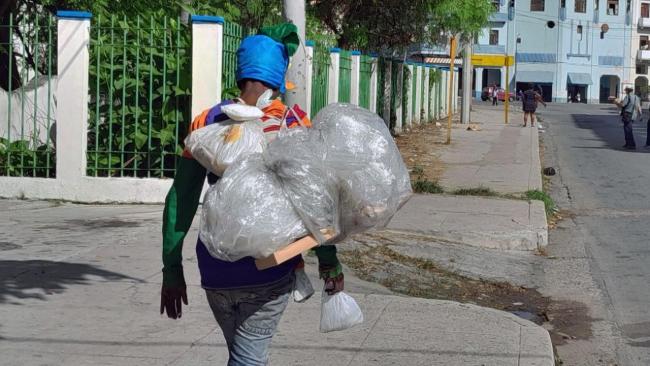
[{"x": 261, "y": 58}]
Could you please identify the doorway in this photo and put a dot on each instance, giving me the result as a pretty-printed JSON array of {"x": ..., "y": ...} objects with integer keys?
[{"x": 609, "y": 88}]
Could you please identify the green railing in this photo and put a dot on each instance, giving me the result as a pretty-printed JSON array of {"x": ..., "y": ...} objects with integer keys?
[
  {"x": 233, "y": 34},
  {"x": 345, "y": 76},
  {"x": 320, "y": 75},
  {"x": 139, "y": 106},
  {"x": 27, "y": 86},
  {"x": 365, "y": 73}
]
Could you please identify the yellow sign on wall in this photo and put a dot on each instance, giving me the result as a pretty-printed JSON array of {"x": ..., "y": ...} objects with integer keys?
[{"x": 492, "y": 60}]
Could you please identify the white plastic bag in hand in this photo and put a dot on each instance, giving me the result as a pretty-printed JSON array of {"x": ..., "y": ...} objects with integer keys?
[
  {"x": 302, "y": 288},
  {"x": 339, "y": 312}
]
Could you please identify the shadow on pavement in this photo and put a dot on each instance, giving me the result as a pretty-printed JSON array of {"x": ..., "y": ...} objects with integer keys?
[
  {"x": 34, "y": 279},
  {"x": 609, "y": 130}
]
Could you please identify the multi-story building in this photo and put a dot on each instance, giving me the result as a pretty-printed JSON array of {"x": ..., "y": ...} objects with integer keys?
[
  {"x": 640, "y": 46},
  {"x": 566, "y": 48}
]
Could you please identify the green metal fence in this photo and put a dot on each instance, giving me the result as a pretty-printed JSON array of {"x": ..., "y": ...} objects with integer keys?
[
  {"x": 345, "y": 76},
  {"x": 320, "y": 75},
  {"x": 140, "y": 81},
  {"x": 414, "y": 83},
  {"x": 365, "y": 73},
  {"x": 27, "y": 86},
  {"x": 233, "y": 34},
  {"x": 381, "y": 69}
]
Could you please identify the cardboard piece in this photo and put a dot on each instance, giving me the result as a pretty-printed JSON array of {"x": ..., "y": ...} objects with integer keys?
[{"x": 284, "y": 254}]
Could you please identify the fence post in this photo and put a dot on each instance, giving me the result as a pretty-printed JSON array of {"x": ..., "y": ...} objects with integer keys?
[
  {"x": 354, "y": 77},
  {"x": 373, "y": 84},
  {"x": 73, "y": 40},
  {"x": 207, "y": 59},
  {"x": 426, "y": 94},
  {"x": 418, "y": 93},
  {"x": 333, "y": 77},
  {"x": 398, "y": 98},
  {"x": 309, "y": 73},
  {"x": 409, "y": 107}
]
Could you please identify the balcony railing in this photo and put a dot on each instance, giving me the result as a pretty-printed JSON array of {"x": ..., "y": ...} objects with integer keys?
[
  {"x": 644, "y": 23},
  {"x": 643, "y": 55}
]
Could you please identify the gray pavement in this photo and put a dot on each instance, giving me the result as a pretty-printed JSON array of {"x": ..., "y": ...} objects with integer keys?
[
  {"x": 602, "y": 248},
  {"x": 491, "y": 223},
  {"x": 80, "y": 286},
  {"x": 502, "y": 157}
]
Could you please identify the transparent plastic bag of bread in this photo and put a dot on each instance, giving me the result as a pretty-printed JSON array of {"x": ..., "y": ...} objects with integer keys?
[
  {"x": 246, "y": 213},
  {"x": 218, "y": 145},
  {"x": 373, "y": 179},
  {"x": 296, "y": 158}
]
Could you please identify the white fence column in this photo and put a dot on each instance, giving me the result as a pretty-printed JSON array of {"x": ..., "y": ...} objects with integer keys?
[
  {"x": 73, "y": 39},
  {"x": 373, "y": 84},
  {"x": 418, "y": 94},
  {"x": 309, "y": 73},
  {"x": 333, "y": 77},
  {"x": 354, "y": 77},
  {"x": 399, "y": 106},
  {"x": 445, "y": 91},
  {"x": 425, "y": 107},
  {"x": 409, "y": 106},
  {"x": 207, "y": 51}
]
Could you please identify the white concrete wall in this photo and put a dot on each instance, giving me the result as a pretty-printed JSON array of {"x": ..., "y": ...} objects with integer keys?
[
  {"x": 309, "y": 73},
  {"x": 355, "y": 74},
  {"x": 373, "y": 85},
  {"x": 409, "y": 111},
  {"x": 418, "y": 94},
  {"x": 426, "y": 90}
]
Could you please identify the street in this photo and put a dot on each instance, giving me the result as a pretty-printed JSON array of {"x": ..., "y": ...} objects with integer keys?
[{"x": 604, "y": 190}]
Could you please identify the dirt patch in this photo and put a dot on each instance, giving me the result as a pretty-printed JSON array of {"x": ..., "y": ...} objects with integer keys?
[
  {"x": 418, "y": 148},
  {"x": 372, "y": 259}
]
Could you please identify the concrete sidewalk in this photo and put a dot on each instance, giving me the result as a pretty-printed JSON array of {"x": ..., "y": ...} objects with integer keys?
[
  {"x": 504, "y": 158},
  {"x": 79, "y": 285},
  {"x": 478, "y": 221}
]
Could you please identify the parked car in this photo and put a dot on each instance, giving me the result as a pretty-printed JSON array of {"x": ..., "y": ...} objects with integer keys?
[{"x": 486, "y": 94}]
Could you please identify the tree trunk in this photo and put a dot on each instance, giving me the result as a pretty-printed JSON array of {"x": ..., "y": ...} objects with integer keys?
[
  {"x": 6, "y": 61},
  {"x": 399, "y": 96},
  {"x": 388, "y": 70}
]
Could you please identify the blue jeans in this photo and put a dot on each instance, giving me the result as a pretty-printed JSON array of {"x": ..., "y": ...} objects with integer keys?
[
  {"x": 627, "y": 130},
  {"x": 249, "y": 318}
]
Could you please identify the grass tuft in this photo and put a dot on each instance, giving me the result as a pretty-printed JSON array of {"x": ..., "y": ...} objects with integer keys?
[
  {"x": 423, "y": 185},
  {"x": 549, "y": 204}
]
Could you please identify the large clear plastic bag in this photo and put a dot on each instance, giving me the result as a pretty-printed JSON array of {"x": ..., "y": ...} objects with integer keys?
[
  {"x": 296, "y": 157},
  {"x": 246, "y": 213},
  {"x": 373, "y": 179},
  {"x": 218, "y": 145},
  {"x": 339, "y": 312}
]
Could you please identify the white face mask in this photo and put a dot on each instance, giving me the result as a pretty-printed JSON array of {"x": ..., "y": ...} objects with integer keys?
[{"x": 265, "y": 99}]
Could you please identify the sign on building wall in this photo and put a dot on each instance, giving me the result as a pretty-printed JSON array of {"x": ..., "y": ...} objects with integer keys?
[{"x": 492, "y": 60}]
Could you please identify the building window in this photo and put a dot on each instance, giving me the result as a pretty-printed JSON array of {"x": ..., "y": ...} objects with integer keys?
[
  {"x": 536, "y": 5},
  {"x": 562, "y": 4},
  {"x": 494, "y": 37},
  {"x": 497, "y": 5},
  {"x": 645, "y": 10},
  {"x": 596, "y": 5},
  {"x": 642, "y": 69},
  {"x": 643, "y": 42},
  {"x": 612, "y": 7},
  {"x": 581, "y": 6},
  {"x": 579, "y": 29}
]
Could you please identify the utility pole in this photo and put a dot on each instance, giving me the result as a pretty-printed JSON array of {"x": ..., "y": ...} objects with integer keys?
[
  {"x": 294, "y": 11},
  {"x": 467, "y": 83}
]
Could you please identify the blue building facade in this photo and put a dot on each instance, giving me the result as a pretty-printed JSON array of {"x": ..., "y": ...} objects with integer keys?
[{"x": 570, "y": 50}]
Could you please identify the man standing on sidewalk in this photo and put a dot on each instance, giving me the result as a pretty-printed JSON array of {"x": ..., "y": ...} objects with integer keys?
[
  {"x": 495, "y": 95},
  {"x": 247, "y": 303},
  {"x": 630, "y": 110}
]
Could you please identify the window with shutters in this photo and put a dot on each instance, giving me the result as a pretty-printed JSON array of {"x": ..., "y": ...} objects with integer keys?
[
  {"x": 612, "y": 7},
  {"x": 645, "y": 10},
  {"x": 494, "y": 37},
  {"x": 580, "y": 6},
  {"x": 536, "y": 5}
]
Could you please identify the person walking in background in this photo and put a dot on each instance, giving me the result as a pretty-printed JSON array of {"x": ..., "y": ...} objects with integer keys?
[
  {"x": 529, "y": 102},
  {"x": 630, "y": 110},
  {"x": 495, "y": 95}
]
